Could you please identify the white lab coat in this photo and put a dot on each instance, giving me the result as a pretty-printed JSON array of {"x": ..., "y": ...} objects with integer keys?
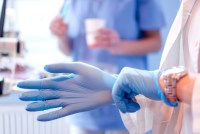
[{"x": 182, "y": 48}]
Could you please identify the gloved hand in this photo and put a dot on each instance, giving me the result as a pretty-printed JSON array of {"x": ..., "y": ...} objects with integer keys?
[
  {"x": 86, "y": 88},
  {"x": 132, "y": 82}
]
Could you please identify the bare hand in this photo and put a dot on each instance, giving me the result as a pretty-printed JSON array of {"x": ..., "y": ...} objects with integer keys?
[
  {"x": 106, "y": 39},
  {"x": 58, "y": 27}
]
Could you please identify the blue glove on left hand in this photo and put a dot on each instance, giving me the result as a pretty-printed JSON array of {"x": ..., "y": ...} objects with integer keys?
[
  {"x": 132, "y": 82},
  {"x": 87, "y": 88}
]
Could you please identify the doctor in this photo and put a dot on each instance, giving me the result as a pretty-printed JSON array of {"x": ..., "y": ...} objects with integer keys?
[
  {"x": 182, "y": 48},
  {"x": 178, "y": 114}
]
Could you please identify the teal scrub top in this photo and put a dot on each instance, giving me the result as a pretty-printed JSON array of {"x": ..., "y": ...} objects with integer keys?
[{"x": 129, "y": 18}]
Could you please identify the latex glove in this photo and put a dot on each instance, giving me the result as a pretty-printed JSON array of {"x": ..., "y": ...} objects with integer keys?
[
  {"x": 58, "y": 27},
  {"x": 87, "y": 88},
  {"x": 105, "y": 39},
  {"x": 132, "y": 82}
]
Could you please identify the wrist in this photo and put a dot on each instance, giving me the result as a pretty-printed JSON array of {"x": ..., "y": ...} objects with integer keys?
[
  {"x": 120, "y": 48},
  {"x": 169, "y": 81},
  {"x": 162, "y": 93},
  {"x": 161, "y": 83},
  {"x": 183, "y": 89},
  {"x": 103, "y": 97}
]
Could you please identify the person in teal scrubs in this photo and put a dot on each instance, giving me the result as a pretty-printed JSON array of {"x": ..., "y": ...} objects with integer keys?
[{"x": 132, "y": 31}]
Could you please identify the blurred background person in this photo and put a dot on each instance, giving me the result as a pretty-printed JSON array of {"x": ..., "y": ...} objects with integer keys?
[{"x": 131, "y": 32}]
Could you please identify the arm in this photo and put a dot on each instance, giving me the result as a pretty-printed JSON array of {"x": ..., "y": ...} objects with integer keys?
[
  {"x": 131, "y": 82},
  {"x": 151, "y": 42},
  {"x": 64, "y": 45},
  {"x": 109, "y": 39},
  {"x": 60, "y": 29},
  {"x": 184, "y": 88}
]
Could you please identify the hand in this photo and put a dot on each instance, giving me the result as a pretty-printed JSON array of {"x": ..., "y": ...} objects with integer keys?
[
  {"x": 106, "y": 39},
  {"x": 132, "y": 82},
  {"x": 86, "y": 88},
  {"x": 58, "y": 27}
]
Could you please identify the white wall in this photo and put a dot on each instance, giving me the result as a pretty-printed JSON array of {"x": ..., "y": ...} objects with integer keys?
[
  {"x": 32, "y": 20},
  {"x": 170, "y": 8}
]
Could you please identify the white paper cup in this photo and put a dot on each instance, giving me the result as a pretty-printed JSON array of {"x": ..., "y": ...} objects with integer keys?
[{"x": 91, "y": 26}]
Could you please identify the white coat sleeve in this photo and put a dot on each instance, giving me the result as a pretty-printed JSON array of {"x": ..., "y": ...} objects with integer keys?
[{"x": 196, "y": 107}]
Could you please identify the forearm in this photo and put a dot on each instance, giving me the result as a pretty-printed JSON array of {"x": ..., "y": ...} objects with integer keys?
[
  {"x": 64, "y": 45},
  {"x": 184, "y": 88},
  {"x": 148, "y": 44}
]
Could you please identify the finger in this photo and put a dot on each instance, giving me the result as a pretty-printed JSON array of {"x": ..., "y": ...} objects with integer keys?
[
  {"x": 59, "y": 30},
  {"x": 131, "y": 103},
  {"x": 132, "y": 106},
  {"x": 45, "y": 105},
  {"x": 119, "y": 97},
  {"x": 121, "y": 105},
  {"x": 47, "y": 83},
  {"x": 53, "y": 115},
  {"x": 102, "y": 40},
  {"x": 71, "y": 67},
  {"x": 68, "y": 110},
  {"x": 43, "y": 95},
  {"x": 104, "y": 31},
  {"x": 120, "y": 90},
  {"x": 39, "y": 95},
  {"x": 56, "y": 103},
  {"x": 73, "y": 106},
  {"x": 127, "y": 105},
  {"x": 37, "y": 84}
]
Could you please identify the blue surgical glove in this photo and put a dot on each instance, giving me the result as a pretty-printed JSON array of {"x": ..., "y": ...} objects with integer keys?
[
  {"x": 86, "y": 88},
  {"x": 132, "y": 82}
]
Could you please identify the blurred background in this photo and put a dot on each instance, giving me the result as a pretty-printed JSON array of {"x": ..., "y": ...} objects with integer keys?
[{"x": 26, "y": 38}]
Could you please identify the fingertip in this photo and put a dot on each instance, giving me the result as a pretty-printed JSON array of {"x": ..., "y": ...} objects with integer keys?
[
  {"x": 35, "y": 106},
  {"x": 27, "y": 84},
  {"x": 28, "y": 108},
  {"x": 44, "y": 117},
  {"x": 20, "y": 84},
  {"x": 22, "y": 97},
  {"x": 40, "y": 118},
  {"x": 46, "y": 67},
  {"x": 25, "y": 96}
]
